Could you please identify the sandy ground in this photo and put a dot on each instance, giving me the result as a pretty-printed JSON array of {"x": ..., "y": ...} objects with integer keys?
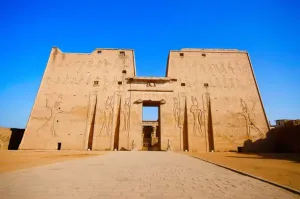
[
  {"x": 280, "y": 168},
  {"x": 17, "y": 160}
]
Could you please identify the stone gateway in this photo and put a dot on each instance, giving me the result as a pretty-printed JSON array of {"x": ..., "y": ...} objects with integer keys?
[{"x": 207, "y": 101}]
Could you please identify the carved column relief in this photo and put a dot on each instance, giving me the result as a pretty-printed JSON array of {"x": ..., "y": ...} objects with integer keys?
[
  {"x": 106, "y": 117},
  {"x": 126, "y": 114},
  {"x": 197, "y": 117},
  {"x": 177, "y": 111}
]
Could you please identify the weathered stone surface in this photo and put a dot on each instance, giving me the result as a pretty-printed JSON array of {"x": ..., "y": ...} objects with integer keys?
[
  {"x": 135, "y": 175},
  {"x": 208, "y": 100},
  {"x": 5, "y": 134}
]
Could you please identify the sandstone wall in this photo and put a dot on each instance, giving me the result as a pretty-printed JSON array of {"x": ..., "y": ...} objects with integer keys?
[
  {"x": 223, "y": 81},
  {"x": 208, "y": 101},
  {"x": 77, "y": 89}
]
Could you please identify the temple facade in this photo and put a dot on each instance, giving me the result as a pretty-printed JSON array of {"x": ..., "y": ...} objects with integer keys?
[{"x": 207, "y": 101}]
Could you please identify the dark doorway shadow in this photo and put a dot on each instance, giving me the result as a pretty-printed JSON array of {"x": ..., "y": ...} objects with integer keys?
[{"x": 15, "y": 138}]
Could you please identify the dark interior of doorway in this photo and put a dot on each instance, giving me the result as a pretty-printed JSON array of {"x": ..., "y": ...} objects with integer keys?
[{"x": 58, "y": 145}]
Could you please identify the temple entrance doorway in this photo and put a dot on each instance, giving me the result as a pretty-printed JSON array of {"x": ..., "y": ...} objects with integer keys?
[{"x": 151, "y": 126}]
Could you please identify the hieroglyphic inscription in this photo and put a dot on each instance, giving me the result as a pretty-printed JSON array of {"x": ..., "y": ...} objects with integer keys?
[
  {"x": 224, "y": 73},
  {"x": 91, "y": 64}
]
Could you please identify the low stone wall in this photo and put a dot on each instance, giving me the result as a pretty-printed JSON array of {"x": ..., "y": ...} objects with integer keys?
[{"x": 10, "y": 138}]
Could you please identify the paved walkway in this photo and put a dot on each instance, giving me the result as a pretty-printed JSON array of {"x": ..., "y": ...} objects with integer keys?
[{"x": 134, "y": 175}]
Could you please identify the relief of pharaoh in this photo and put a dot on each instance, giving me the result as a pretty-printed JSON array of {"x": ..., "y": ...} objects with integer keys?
[
  {"x": 197, "y": 117},
  {"x": 106, "y": 116},
  {"x": 48, "y": 127}
]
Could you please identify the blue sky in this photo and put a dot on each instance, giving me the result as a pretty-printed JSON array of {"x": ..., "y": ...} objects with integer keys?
[{"x": 268, "y": 29}]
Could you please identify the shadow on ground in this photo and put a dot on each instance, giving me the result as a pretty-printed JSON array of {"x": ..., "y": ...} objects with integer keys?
[{"x": 294, "y": 157}]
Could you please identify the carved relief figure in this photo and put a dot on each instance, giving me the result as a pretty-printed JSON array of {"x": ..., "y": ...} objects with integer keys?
[
  {"x": 231, "y": 83},
  {"x": 49, "y": 124},
  {"x": 218, "y": 84},
  {"x": 123, "y": 79},
  {"x": 210, "y": 68},
  {"x": 125, "y": 114},
  {"x": 188, "y": 84},
  {"x": 249, "y": 122},
  {"x": 68, "y": 80},
  {"x": 169, "y": 145},
  {"x": 125, "y": 60},
  {"x": 176, "y": 111},
  {"x": 238, "y": 83},
  {"x": 203, "y": 68},
  {"x": 105, "y": 83},
  {"x": 230, "y": 68},
  {"x": 246, "y": 68},
  {"x": 57, "y": 81},
  {"x": 133, "y": 145},
  {"x": 197, "y": 117},
  {"x": 88, "y": 80},
  {"x": 222, "y": 68},
  {"x": 106, "y": 117},
  {"x": 106, "y": 63},
  {"x": 81, "y": 80},
  {"x": 216, "y": 68},
  {"x": 238, "y": 67},
  {"x": 225, "y": 83},
  {"x": 114, "y": 81}
]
